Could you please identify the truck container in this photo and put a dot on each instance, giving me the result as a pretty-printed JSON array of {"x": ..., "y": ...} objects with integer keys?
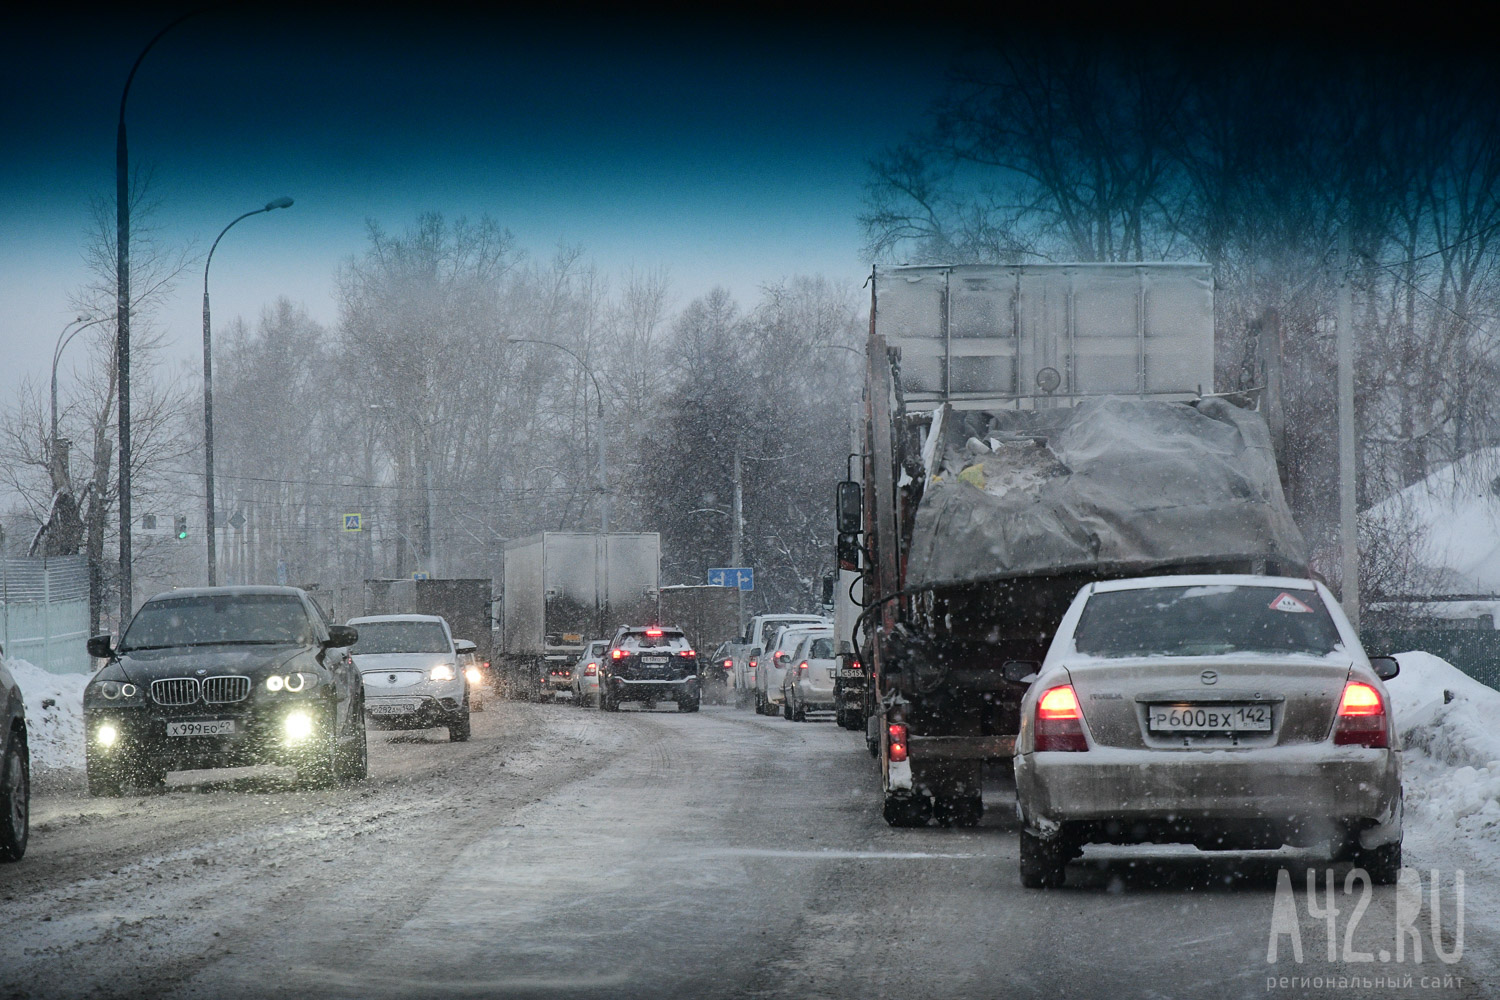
[
  {"x": 561, "y": 589},
  {"x": 467, "y": 604},
  {"x": 1029, "y": 429}
]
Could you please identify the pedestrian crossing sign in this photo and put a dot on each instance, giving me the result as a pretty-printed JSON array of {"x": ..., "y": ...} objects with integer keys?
[{"x": 354, "y": 522}]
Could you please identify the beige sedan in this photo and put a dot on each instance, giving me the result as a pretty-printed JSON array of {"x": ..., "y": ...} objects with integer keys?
[{"x": 1228, "y": 712}]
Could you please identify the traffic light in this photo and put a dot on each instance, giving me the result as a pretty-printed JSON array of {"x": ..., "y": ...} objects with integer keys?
[{"x": 180, "y": 526}]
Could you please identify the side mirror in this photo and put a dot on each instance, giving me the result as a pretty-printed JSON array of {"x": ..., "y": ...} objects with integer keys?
[
  {"x": 101, "y": 647},
  {"x": 1020, "y": 671},
  {"x": 1385, "y": 667},
  {"x": 342, "y": 635},
  {"x": 848, "y": 501}
]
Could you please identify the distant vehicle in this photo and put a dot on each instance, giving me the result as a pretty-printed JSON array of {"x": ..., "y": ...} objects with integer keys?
[
  {"x": 411, "y": 674},
  {"x": 1230, "y": 712},
  {"x": 466, "y": 604},
  {"x": 15, "y": 769},
  {"x": 710, "y": 617},
  {"x": 224, "y": 677},
  {"x": 648, "y": 664},
  {"x": 473, "y": 671},
  {"x": 773, "y": 664},
  {"x": 808, "y": 683},
  {"x": 560, "y": 587},
  {"x": 586, "y": 673},
  {"x": 557, "y": 677},
  {"x": 747, "y": 652}
]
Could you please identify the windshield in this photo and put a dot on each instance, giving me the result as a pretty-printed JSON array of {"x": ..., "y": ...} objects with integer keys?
[
  {"x": 1205, "y": 621},
  {"x": 666, "y": 639},
  {"x": 401, "y": 637},
  {"x": 239, "y": 618}
]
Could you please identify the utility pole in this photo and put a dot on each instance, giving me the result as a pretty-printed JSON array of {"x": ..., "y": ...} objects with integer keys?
[
  {"x": 1348, "y": 528},
  {"x": 737, "y": 554}
]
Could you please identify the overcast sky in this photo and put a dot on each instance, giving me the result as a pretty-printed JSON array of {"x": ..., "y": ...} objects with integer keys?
[{"x": 729, "y": 151}]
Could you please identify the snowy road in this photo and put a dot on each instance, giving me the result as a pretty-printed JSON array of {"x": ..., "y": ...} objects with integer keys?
[{"x": 567, "y": 853}]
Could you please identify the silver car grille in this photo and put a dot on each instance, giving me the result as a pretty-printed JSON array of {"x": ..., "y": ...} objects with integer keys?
[
  {"x": 225, "y": 689},
  {"x": 175, "y": 691}
]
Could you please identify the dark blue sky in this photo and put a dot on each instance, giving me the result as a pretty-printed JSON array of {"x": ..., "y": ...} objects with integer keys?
[{"x": 730, "y": 151}]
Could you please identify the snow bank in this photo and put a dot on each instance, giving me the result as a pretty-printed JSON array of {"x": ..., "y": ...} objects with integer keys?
[
  {"x": 1452, "y": 758},
  {"x": 54, "y": 714}
]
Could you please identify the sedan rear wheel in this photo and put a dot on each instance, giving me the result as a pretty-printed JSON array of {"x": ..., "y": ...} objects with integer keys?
[
  {"x": 15, "y": 799},
  {"x": 1043, "y": 862}
]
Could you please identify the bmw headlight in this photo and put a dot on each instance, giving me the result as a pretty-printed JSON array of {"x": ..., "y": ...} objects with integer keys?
[
  {"x": 293, "y": 682},
  {"x": 441, "y": 672},
  {"x": 112, "y": 692}
]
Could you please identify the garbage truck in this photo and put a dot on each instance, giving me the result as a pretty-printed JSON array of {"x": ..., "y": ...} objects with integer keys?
[{"x": 1027, "y": 430}]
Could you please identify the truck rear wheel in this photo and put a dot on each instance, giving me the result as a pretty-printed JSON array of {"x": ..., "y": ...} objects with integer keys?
[{"x": 908, "y": 810}]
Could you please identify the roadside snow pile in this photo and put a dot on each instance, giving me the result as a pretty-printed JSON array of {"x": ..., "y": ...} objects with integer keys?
[
  {"x": 1452, "y": 759},
  {"x": 54, "y": 714}
]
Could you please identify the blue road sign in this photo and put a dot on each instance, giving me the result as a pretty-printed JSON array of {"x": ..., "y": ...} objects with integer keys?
[
  {"x": 419, "y": 575},
  {"x": 352, "y": 522},
  {"x": 742, "y": 577}
]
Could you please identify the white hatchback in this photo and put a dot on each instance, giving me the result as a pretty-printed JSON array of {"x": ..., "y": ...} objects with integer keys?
[
  {"x": 411, "y": 672},
  {"x": 807, "y": 685},
  {"x": 773, "y": 665}
]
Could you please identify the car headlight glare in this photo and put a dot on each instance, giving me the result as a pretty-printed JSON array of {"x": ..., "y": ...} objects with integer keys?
[
  {"x": 441, "y": 672},
  {"x": 293, "y": 682},
  {"x": 129, "y": 690},
  {"x": 299, "y": 726},
  {"x": 107, "y": 735}
]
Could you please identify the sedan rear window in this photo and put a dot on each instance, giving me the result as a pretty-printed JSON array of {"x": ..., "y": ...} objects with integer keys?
[
  {"x": 218, "y": 618},
  {"x": 401, "y": 637},
  {"x": 1205, "y": 621}
]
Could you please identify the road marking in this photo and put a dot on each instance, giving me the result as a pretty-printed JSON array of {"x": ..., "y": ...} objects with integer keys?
[{"x": 757, "y": 852}]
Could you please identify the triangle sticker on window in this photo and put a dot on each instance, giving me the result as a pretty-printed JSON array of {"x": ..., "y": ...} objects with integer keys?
[{"x": 1286, "y": 602}]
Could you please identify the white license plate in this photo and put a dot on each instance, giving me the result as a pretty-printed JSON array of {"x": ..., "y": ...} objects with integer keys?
[
  {"x": 654, "y": 661},
  {"x": 205, "y": 727},
  {"x": 1209, "y": 718},
  {"x": 849, "y": 675},
  {"x": 398, "y": 709}
]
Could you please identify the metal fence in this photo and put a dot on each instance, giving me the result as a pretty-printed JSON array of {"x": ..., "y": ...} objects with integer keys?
[{"x": 44, "y": 612}]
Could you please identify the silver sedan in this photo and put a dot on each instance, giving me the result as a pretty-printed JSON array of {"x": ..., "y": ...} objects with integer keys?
[{"x": 1228, "y": 712}]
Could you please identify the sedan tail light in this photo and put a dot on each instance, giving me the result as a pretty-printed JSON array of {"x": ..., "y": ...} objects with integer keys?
[
  {"x": 615, "y": 654},
  {"x": 728, "y": 664},
  {"x": 802, "y": 667},
  {"x": 1059, "y": 722},
  {"x": 1362, "y": 720},
  {"x": 591, "y": 670},
  {"x": 896, "y": 732}
]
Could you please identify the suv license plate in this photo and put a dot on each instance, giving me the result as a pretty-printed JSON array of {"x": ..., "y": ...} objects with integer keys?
[
  {"x": 400, "y": 708},
  {"x": 205, "y": 727},
  {"x": 1209, "y": 718},
  {"x": 655, "y": 661}
]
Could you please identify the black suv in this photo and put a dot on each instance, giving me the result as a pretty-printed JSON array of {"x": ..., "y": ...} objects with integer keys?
[
  {"x": 225, "y": 677},
  {"x": 15, "y": 769},
  {"x": 647, "y": 664}
]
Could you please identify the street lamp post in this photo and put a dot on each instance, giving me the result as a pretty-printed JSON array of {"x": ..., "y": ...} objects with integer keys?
[
  {"x": 62, "y": 342},
  {"x": 208, "y": 390},
  {"x": 599, "y": 395},
  {"x": 122, "y": 316}
]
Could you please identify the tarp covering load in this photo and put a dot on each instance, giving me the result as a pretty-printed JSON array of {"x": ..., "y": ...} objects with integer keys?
[{"x": 1111, "y": 486}]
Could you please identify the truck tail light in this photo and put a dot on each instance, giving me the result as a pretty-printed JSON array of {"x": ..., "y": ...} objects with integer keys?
[
  {"x": 896, "y": 736},
  {"x": 1059, "y": 722},
  {"x": 1361, "y": 719}
]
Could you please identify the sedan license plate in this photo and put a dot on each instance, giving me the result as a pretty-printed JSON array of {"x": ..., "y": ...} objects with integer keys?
[
  {"x": 1209, "y": 718},
  {"x": 202, "y": 727}
]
